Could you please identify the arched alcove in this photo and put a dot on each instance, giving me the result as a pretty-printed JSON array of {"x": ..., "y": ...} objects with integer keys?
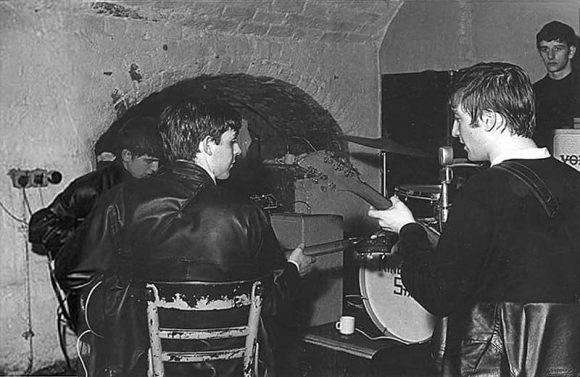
[{"x": 282, "y": 119}]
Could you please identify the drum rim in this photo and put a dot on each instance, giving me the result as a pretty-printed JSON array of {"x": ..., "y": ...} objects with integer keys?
[
  {"x": 376, "y": 321},
  {"x": 413, "y": 191}
]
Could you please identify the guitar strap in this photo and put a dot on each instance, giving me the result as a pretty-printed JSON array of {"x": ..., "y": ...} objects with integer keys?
[{"x": 536, "y": 185}]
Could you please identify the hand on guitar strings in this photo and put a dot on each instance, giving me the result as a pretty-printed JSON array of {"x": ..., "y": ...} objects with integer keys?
[{"x": 393, "y": 218}]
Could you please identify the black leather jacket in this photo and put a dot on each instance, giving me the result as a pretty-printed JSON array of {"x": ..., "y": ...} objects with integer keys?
[
  {"x": 505, "y": 272},
  {"x": 175, "y": 226},
  {"x": 50, "y": 227}
]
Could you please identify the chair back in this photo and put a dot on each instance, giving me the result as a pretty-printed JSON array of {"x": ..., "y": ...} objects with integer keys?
[{"x": 190, "y": 300}]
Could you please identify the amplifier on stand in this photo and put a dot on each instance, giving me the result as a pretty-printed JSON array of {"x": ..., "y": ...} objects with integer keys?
[{"x": 322, "y": 289}]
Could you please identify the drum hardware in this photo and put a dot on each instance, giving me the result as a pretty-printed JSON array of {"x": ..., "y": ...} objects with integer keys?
[
  {"x": 378, "y": 251},
  {"x": 424, "y": 203}
]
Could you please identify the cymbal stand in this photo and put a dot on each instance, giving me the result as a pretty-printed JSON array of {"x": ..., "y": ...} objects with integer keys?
[{"x": 384, "y": 171}]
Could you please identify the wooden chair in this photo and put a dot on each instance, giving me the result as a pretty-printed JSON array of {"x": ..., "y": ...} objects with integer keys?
[{"x": 208, "y": 297}]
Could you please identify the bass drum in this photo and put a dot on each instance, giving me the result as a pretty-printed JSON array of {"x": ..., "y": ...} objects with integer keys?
[
  {"x": 393, "y": 311},
  {"x": 388, "y": 303}
]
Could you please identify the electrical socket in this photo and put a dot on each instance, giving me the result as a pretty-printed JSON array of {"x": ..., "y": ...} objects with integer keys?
[{"x": 34, "y": 178}]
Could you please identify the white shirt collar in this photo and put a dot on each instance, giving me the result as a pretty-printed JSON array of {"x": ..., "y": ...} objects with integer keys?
[{"x": 522, "y": 154}]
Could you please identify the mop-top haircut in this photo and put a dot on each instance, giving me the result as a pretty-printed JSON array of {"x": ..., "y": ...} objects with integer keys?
[
  {"x": 187, "y": 122},
  {"x": 502, "y": 88}
]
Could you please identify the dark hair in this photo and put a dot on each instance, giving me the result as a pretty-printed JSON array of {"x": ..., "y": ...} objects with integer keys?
[
  {"x": 556, "y": 31},
  {"x": 185, "y": 123},
  {"x": 140, "y": 136},
  {"x": 500, "y": 87}
]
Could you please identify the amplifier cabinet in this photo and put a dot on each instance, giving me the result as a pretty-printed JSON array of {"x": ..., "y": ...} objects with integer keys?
[
  {"x": 321, "y": 297},
  {"x": 567, "y": 146}
]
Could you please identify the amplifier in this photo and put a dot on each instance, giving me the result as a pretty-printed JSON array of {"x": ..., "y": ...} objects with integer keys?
[
  {"x": 322, "y": 289},
  {"x": 567, "y": 146}
]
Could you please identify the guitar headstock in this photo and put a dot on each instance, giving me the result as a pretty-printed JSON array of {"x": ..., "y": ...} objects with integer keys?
[
  {"x": 329, "y": 170},
  {"x": 333, "y": 172}
]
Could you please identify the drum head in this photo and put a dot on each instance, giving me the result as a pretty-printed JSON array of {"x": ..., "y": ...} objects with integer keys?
[{"x": 392, "y": 309}]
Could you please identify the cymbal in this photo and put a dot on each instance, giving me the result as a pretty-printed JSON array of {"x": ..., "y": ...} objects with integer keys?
[{"x": 387, "y": 145}]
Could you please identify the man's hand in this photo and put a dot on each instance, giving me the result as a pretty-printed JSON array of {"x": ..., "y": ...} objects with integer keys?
[
  {"x": 305, "y": 262},
  {"x": 394, "y": 218}
]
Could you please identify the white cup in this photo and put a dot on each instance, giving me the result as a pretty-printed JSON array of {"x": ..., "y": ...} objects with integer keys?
[{"x": 345, "y": 325}]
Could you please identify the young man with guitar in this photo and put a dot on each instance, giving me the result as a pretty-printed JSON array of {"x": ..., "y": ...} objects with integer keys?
[{"x": 505, "y": 269}]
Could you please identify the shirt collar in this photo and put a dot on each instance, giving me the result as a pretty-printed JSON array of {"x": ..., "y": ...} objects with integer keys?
[{"x": 522, "y": 154}]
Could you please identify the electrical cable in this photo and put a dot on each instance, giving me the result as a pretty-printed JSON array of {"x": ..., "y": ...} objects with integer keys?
[
  {"x": 29, "y": 333},
  {"x": 11, "y": 214},
  {"x": 61, "y": 327},
  {"x": 348, "y": 302},
  {"x": 41, "y": 197},
  {"x": 372, "y": 338},
  {"x": 306, "y": 141},
  {"x": 79, "y": 351},
  {"x": 87, "y": 309},
  {"x": 26, "y": 202}
]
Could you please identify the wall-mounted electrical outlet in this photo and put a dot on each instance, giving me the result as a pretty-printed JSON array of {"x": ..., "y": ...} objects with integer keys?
[{"x": 34, "y": 178}]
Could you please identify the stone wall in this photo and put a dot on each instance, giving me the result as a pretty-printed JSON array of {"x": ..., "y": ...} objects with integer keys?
[{"x": 70, "y": 68}]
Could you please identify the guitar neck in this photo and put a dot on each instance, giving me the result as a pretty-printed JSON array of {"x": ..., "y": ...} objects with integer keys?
[
  {"x": 368, "y": 194},
  {"x": 326, "y": 248},
  {"x": 323, "y": 248}
]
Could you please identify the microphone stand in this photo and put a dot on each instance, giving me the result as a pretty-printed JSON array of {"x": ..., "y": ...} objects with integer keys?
[{"x": 445, "y": 177}]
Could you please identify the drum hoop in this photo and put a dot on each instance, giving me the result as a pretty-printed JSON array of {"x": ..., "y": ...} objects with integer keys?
[{"x": 376, "y": 321}]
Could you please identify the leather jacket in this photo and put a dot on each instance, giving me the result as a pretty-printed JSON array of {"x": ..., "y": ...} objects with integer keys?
[
  {"x": 50, "y": 227},
  {"x": 175, "y": 226},
  {"x": 510, "y": 339},
  {"x": 504, "y": 273}
]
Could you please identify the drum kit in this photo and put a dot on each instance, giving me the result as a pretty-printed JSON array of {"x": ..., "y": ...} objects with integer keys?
[{"x": 386, "y": 301}]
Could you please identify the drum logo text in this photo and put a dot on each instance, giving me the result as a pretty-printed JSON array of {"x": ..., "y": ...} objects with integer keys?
[{"x": 399, "y": 288}]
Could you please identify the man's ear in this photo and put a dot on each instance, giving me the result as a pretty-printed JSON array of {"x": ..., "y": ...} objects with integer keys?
[
  {"x": 490, "y": 119},
  {"x": 126, "y": 155},
  {"x": 205, "y": 145},
  {"x": 572, "y": 52}
]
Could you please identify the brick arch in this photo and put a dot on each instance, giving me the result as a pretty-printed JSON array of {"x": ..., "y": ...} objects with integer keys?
[
  {"x": 281, "y": 118},
  {"x": 280, "y": 115}
]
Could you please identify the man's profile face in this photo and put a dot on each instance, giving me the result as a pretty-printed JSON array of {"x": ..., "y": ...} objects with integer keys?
[
  {"x": 556, "y": 55},
  {"x": 224, "y": 154},
  {"x": 470, "y": 135},
  {"x": 140, "y": 166}
]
